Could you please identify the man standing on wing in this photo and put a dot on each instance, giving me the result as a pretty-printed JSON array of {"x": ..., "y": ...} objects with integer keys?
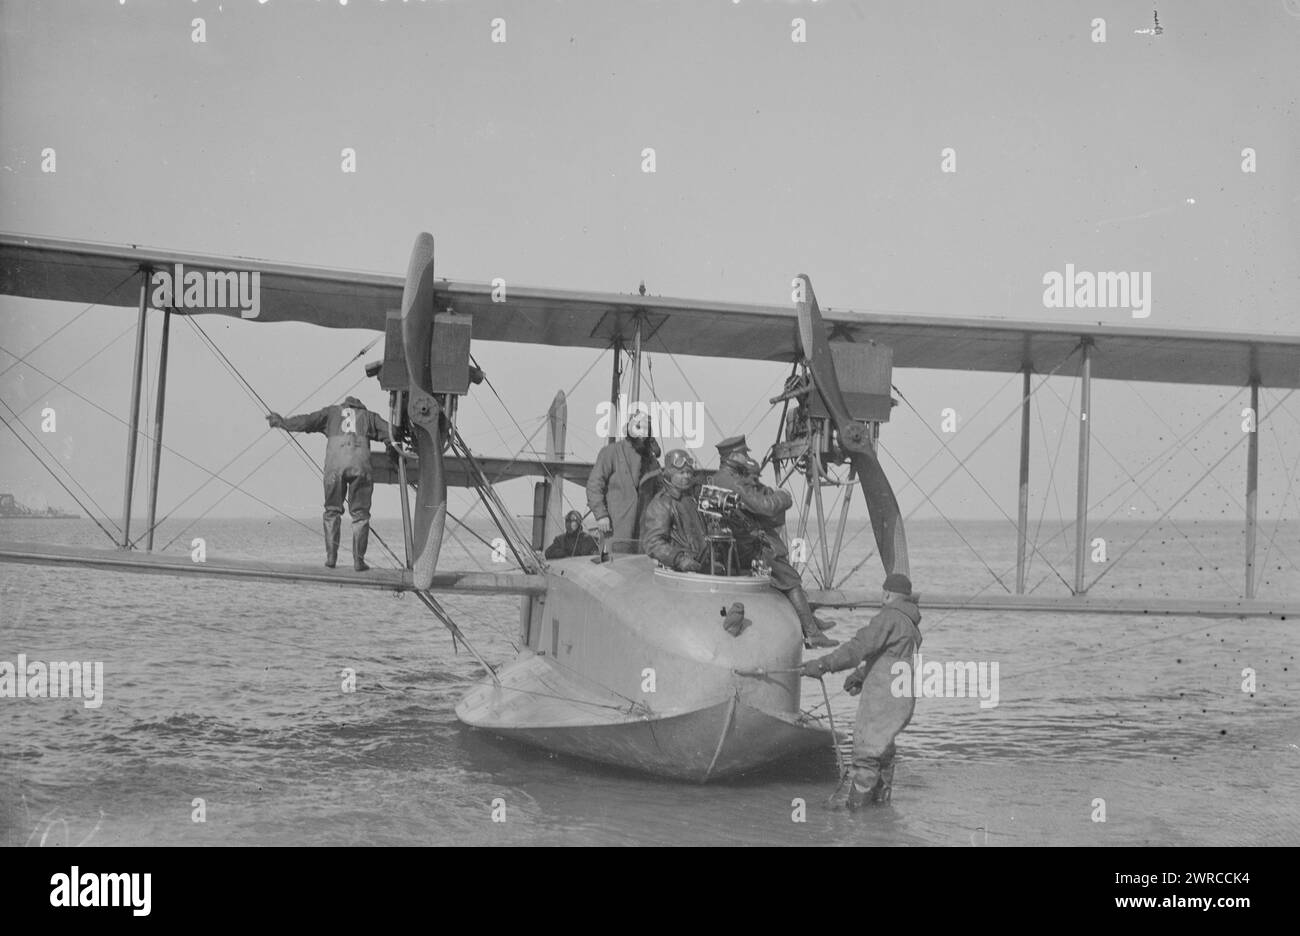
[{"x": 349, "y": 428}]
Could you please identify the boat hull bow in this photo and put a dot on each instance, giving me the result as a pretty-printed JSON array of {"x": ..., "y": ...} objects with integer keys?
[{"x": 630, "y": 665}]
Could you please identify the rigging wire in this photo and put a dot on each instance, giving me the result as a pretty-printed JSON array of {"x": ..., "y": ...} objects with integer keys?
[
  {"x": 1238, "y": 504},
  {"x": 1140, "y": 487},
  {"x": 558, "y": 483},
  {"x": 1154, "y": 464},
  {"x": 236, "y": 486},
  {"x": 53, "y": 475},
  {"x": 245, "y": 449},
  {"x": 779, "y": 382},
  {"x": 167, "y": 447},
  {"x": 962, "y": 465},
  {"x": 264, "y": 407},
  {"x": 470, "y": 530},
  {"x": 912, "y": 476},
  {"x": 948, "y": 521},
  {"x": 1180, "y": 442},
  {"x": 55, "y": 459},
  {"x": 495, "y": 508},
  {"x": 1139, "y": 538},
  {"x": 47, "y": 338},
  {"x": 69, "y": 374},
  {"x": 698, "y": 396},
  {"x": 440, "y": 613},
  {"x": 1277, "y": 524},
  {"x": 529, "y": 440},
  {"x": 244, "y": 385}
]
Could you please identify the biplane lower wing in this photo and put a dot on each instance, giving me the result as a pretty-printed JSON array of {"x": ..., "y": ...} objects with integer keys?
[
  {"x": 383, "y": 469},
  {"x": 1281, "y": 609},
  {"x": 217, "y": 567}
]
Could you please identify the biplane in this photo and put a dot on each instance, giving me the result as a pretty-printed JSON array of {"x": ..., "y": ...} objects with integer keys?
[{"x": 589, "y": 632}]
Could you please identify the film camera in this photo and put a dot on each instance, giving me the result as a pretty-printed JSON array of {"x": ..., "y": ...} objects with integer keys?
[
  {"x": 717, "y": 502},
  {"x": 723, "y": 517}
]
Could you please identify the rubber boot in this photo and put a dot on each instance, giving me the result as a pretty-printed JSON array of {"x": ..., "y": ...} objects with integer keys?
[
  {"x": 333, "y": 526},
  {"x": 360, "y": 539},
  {"x": 813, "y": 638},
  {"x": 884, "y": 790},
  {"x": 860, "y": 796}
]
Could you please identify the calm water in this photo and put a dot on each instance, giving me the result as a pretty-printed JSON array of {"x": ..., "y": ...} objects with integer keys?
[{"x": 231, "y": 692}]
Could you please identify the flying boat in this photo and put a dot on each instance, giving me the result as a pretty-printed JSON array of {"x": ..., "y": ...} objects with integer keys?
[{"x": 622, "y": 661}]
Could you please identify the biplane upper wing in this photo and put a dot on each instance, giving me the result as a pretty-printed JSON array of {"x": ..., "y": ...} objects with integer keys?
[{"x": 75, "y": 271}]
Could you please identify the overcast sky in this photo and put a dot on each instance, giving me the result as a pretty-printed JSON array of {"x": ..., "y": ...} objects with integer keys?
[{"x": 524, "y": 159}]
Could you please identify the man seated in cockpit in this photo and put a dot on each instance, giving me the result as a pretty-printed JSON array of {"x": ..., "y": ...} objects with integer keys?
[{"x": 671, "y": 529}]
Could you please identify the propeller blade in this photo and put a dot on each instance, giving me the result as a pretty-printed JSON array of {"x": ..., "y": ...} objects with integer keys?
[
  {"x": 417, "y": 313},
  {"x": 430, "y": 514},
  {"x": 812, "y": 335},
  {"x": 882, "y": 505},
  {"x": 886, "y": 518}
]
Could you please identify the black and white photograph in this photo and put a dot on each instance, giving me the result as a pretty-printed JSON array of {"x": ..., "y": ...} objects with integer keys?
[{"x": 650, "y": 423}]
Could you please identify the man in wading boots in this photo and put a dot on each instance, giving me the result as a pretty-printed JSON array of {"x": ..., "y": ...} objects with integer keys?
[
  {"x": 348, "y": 428},
  {"x": 761, "y": 516},
  {"x": 890, "y": 636}
]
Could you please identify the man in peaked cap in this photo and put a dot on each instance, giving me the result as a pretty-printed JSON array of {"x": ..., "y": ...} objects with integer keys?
[
  {"x": 890, "y": 636},
  {"x": 349, "y": 428},
  {"x": 757, "y": 531}
]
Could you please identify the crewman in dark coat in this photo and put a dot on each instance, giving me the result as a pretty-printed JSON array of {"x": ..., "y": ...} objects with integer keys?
[
  {"x": 757, "y": 531},
  {"x": 672, "y": 530},
  {"x": 349, "y": 428},
  {"x": 890, "y": 636},
  {"x": 574, "y": 541},
  {"x": 614, "y": 487}
]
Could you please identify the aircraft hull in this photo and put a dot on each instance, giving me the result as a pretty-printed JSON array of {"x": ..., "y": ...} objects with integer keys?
[{"x": 630, "y": 666}]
